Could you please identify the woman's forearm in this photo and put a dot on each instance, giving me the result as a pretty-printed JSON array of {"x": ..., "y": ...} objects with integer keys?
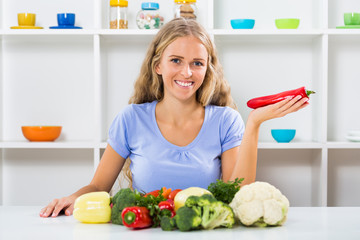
[{"x": 245, "y": 166}]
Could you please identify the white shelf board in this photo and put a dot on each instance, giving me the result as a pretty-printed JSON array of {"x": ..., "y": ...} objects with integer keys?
[
  {"x": 266, "y": 35},
  {"x": 11, "y": 32},
  {"x": 276, "y": 32},
  {"x": 141, "y": 32},
  {"x": 273, "y": 145},
  {"x": 290, "y": 145},
  {"x": 48, "y": 145},
  {"x": 152, "y": 32},
  {"x": 342, "y": 32},
  {"x": 343, "y": 145},
  {"x": 103, "y": 145},
  {"x": 262, "y": 145}
]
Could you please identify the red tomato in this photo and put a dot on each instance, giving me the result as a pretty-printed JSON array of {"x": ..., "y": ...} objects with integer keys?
[{"x": 173, "y": 194}]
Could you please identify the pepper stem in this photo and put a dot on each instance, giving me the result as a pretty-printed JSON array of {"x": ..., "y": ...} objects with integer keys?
[
  {"x": 129, "y": 217},
  {"x": 308, "y": 92}
]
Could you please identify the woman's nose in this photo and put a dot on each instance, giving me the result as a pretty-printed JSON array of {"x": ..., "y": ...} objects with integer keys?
[{"x": 186, "y": 71}]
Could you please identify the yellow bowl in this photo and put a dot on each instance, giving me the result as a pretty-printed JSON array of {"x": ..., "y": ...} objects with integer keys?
[{"x": 41, "y": 133}]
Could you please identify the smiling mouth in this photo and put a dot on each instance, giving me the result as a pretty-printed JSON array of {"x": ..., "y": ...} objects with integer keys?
[{"x": 184, "y": 83}]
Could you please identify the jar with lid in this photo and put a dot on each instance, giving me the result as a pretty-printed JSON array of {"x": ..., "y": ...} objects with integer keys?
[
  {"x": 149, "y": 16},
  {"x": 185, "y": 9},
  {"x": 118, "y": 14}
]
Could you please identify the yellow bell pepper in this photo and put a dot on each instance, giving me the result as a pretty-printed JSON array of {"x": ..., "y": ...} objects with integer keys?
[{"x": 93, "y": 207}]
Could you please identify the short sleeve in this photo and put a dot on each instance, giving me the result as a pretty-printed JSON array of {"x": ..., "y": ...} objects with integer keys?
[
  {"x": 118, "y": 134},
  {"x": 232, "y": 129}
]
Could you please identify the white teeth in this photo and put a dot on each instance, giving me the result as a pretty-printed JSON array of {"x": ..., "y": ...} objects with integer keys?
[{"x": 184, "y": 84}]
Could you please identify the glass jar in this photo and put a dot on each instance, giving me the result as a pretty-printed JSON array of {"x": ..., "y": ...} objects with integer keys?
[
  {"x": 149, "y": 17},
  {"x": 118, "y": 14},
  {"x": 185, "y": 9}
]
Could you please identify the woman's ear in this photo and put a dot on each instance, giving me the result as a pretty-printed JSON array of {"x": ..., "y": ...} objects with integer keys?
[{"x": 157, "y": 69}]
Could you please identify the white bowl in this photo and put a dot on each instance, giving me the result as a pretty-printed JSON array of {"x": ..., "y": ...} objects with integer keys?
[{"x": 354, "y": 133}]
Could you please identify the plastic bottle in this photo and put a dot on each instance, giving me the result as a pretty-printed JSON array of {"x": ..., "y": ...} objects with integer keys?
[{"x": 118, "y": 14}]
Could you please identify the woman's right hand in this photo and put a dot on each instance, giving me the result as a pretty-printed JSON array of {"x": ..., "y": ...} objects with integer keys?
[{"x": 53, "y": 209}]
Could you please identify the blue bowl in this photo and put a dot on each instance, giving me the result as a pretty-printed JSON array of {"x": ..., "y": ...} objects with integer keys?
[
  {"x": 283, "y": 135},
  {"x": 242, "y": 23}
]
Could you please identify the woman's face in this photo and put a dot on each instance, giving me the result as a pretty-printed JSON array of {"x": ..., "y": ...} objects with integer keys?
[{"x": 183, "y": 67}]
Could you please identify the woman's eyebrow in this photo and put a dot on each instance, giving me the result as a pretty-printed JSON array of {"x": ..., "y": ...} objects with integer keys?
[
  {"x": 196, "y": 59},
  {"x": 175, "y": 56}
]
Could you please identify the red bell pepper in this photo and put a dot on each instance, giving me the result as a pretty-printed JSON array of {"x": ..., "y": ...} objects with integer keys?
[
  {"x": 168, "y": 205},
  {"x": 270, "y": 99},
  {"x": 155, "y": 193},
  {"x": 136, "y": 217}
]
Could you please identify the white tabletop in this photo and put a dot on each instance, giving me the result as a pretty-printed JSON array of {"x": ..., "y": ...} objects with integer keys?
[{"x": 303, "y": 223}]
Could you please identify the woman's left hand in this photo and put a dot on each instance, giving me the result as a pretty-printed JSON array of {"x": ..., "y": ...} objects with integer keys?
[{"x": 278, "y": 110}]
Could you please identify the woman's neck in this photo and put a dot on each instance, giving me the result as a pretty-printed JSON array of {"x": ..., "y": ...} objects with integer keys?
[{"x": 177, "y": 112}]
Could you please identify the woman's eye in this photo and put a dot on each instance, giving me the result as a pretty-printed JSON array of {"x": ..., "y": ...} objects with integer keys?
[
  {"x": 175, "y": 60},
  {"x": 198, "y": 64}
]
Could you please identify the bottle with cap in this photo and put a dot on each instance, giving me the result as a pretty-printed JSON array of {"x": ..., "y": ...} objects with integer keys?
[
  {"x": 118, "y": 14},
  {"x": 149, "y": 16},
  {"x": 185, "y": 9}
]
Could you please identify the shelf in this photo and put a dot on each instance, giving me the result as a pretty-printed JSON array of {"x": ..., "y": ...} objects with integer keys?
[
  {"x": 343, "y": 145},
  {"x": 102, "y": 145},
  {"x": 81, "y": 79},
  {"x": 49, "y": 145},
  {"x": 344, "y": 178},
  {"x": 11, "y": 32},
  {"x": 291, "y": 169},
  {"x": 44, "y": 174},
  {"x": 343, "y": 32},
  {"x": 291, "y": 145},
  {"x": 229, "y": 33}
]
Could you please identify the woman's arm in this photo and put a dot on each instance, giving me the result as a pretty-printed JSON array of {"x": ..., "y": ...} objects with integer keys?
[
  {"x": 107, "y": 171},
  {"x": 240, "y": 162}
]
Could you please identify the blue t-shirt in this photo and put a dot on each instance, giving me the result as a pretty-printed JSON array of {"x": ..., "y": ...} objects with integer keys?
[{"x": 157, "y": 163}]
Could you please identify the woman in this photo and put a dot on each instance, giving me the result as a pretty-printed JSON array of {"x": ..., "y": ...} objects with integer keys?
[{"x": 181, "y": 128}]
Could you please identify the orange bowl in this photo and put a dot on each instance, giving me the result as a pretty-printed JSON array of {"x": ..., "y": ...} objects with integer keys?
[{"x": 41, "y": 133}]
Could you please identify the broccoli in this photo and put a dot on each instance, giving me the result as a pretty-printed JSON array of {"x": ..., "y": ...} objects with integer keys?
[
  {"x": 122, "y": 199},
  {"x": 167, "y": 223},
  {"x": 213, "y": 213},
  {"x": 187, "y": 219},
  {"x": 217, "y": 214},
  {"x": 201, "y": 201}
]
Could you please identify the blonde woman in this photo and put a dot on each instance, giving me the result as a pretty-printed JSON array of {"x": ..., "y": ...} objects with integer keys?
[{"x": 181, "y": 128}]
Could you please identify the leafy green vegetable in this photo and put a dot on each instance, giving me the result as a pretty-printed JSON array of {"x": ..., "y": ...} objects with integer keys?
[{"x": 225, "y": 192}]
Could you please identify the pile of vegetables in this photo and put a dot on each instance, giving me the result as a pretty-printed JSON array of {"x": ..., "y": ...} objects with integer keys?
[
  {"x": 221, "y": 205},
  {"x": 136, "y": 210}
]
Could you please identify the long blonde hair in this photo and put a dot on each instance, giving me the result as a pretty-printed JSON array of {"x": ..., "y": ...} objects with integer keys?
[{"x": 148, "y": 87}]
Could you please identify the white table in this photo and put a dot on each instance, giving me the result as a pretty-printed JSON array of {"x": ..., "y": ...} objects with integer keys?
[{"x": 303, "y": 223}]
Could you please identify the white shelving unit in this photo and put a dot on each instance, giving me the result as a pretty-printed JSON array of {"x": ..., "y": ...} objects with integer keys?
[{"x": 80, "y": 79}]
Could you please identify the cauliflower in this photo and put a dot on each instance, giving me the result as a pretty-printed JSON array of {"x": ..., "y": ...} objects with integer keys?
[{"x": 260, "y": 204}]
